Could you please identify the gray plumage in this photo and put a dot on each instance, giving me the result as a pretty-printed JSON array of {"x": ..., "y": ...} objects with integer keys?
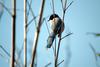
[{"x": 56, "y": 28}]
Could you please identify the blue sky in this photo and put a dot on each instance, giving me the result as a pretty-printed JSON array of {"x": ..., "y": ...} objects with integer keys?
[{"x": 81, "y": 17}]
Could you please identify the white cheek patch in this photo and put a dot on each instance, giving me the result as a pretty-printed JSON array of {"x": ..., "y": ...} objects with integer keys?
[
  {"x": 55, "y": 20},
  {"x": 51, "y": 23}
]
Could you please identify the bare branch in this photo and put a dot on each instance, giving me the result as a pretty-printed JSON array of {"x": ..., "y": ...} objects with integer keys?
[
  {"x": 95, "y": 54},
  {"x": 47, "y": 27},
  {"x": 62, "y": 4},
  {"x": 55, "y": 49},
  {"x": 65, "y": 4},
  {"x": 63, "y": 7},
  {"x": 60, "y": 62},
  {"x": 6, "y": 8},
  {"x": 31, "y": 21},
  {"x": 8, "y": 54},
  {"x": 19, "y": 55},
  {"x": 48, "y": 64},
  {"x": 69, "y": 5},
  {"x": 25, "y": 33},
  {"x": 37, "y": 33},
  {"x": 53, "y": 10},
  {"x": 66, "y": 36},
  {"x": 93, "y": 51},
  {"x": 13, "y": 34},
  {"x": 56, "y": 60},
  {"x": 29, "y": 4},
  {"x": 57, "y": 64},
  {"x": 32, "y": 13}
]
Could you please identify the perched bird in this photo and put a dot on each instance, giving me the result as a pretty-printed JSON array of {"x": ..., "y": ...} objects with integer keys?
[{"x": 57, "y": 27}]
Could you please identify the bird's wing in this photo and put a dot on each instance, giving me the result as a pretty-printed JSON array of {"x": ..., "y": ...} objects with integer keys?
[{"x": 57, "y": 25}]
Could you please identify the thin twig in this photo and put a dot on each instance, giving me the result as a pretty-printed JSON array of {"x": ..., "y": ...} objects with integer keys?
[
  {"x": 55, "y": 48},
  {"x": 29, "y": 6},
  {"x": 6, "y": 8},
  {"x": 8, "y": 54},
  {"x": 56, "y": 60},
  {"x": 47, "y": 27},
  {"x": 44, "y": 18},
  {"x": 37, "y": 33},
  {"x": 60, "y": 62},
  {"x": 1, "y": 11},
  {"x": 48, "y": 64},
  {"x": 57, "y": 64},
  {"x": 19, "y": 54},
  {"x": 69, "y": 5},
  {"x": 62, "y": 4},
  {"x": 64, "y": 11},
  {"x": 65, "y": 4},
  {"x": 51, "y": 5},
  {"x": 53, "y": 9},
  {"x": 93, "y": 51},
  {"x": 31, "y": 21},
  {"x": 32, "y": 13},
  {"x": 66, "y": 36}
]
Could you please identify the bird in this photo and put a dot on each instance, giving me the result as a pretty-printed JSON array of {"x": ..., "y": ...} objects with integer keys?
[{"x": 57, "y": 27}]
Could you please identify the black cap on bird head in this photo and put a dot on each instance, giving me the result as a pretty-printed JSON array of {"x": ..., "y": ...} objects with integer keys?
[{"x": 53, "y": 16}]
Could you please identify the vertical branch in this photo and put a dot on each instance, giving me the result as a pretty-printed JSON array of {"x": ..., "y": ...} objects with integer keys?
[
  {"x": 25, "y": 33},
  {"x": 65, "y": 4},
  {"x": 13, "y": 33},
  {"x": 55, "y": 53},
  {"x": 55, "y": 48},
  {"x": 53, "y": 9},
  {"x": 62, "y": 4},
  {"x": 56, "y": 60},
  {"x": 47, "y": 27},
  {"x": 37, "y": 33},
  {"x": 64, "y": 9}
]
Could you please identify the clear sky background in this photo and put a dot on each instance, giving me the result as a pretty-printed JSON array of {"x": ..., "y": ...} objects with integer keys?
[{"x": 82, "y": 16}]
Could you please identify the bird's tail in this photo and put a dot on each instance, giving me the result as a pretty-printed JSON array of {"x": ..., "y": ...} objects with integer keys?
[{"x": 50, "y": 39}]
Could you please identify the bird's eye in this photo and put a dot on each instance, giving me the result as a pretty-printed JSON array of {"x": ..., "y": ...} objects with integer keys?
[{"x": 51, "y": 17}]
